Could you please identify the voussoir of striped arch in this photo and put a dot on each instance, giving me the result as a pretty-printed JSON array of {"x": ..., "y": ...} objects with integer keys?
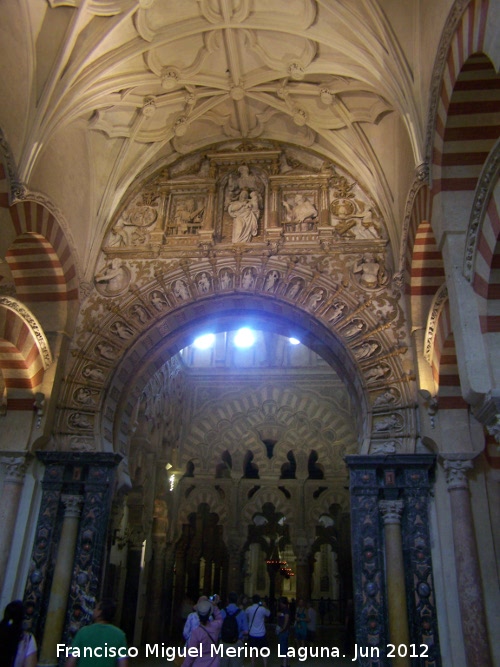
[
  {"x": 466, "y": 120},
  {"x": 40, "y": 257},
  {"x": 427, "y": 268},
  {"x": 24, "y": 351},
  {"x": 440, "y": 352}
]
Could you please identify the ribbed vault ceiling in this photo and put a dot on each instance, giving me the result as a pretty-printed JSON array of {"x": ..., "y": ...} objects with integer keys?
[{"x": 129, "y": 86}]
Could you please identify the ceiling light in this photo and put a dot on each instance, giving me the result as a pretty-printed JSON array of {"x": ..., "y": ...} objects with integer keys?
[
  {"x": 204, "y": 342},
  {"x": 294, "y": 341},
  {"x": 244, "y": 338}
]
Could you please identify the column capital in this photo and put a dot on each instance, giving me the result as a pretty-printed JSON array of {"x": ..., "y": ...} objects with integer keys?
[
  {"x": 456, "y": 468},
  {"x": 15, "y": 465},
  {"x": 391, "y": 511},
  {"x": 72, "y": 505}
]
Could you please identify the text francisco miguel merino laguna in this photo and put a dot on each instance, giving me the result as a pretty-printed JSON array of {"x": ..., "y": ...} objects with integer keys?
[{"x": 223, "y": 650}]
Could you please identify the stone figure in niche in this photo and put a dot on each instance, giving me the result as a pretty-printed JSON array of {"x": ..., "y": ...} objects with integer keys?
[
  {"x": 85, "y": 396},
  {"x": 271, "y": 281},
  {"x": 118, "y": 236},
  {"x": 106, "y": 350},
  {"x": 389, "y": 397},
  {"x": 248, "y": 278},
  {"x": 336, "y": 311},
  {"x": 77, "y": 420},
  {"x": 245, "y": 213},
  {"x": 180, "y": 290},
  {"x": 121, "y": 330},
  {"x": 226, "y": 279},
  {"x": 315, "y": 298},
  {"x": 113, "y": 279},
  {"x": 204, "y": 283},
  {"x": 140, "y": 313},
  {"x": 366, "y": 350},
  {"x": 300, "y": 213},
  {"x": 389, "y": 447},
  {"x": 294, "y": 288},
  {"x": 188, "y": 217},
  {"x": 353, "y": 329},
  {"x": 375, "y": 373},
  {"x": 243, "y": 201},
  {"x": 92, "y": 373},
  {"x": 390, "y": 423},
  {"x": 158, "y": 300},
  {"x": 372, "y": 272}
]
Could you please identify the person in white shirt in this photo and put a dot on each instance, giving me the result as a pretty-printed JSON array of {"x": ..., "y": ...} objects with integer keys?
[{"x": 256, "y": 615}]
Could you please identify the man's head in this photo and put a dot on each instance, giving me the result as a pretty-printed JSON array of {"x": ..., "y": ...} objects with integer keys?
[
  {"x": 232, "y": 598},
  {"x": 256, "y": 598},
  {"x": 105, "y": 611}
]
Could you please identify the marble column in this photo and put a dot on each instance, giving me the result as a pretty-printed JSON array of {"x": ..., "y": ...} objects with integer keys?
[
  {"x": 399, "y": 635},
  {"x": 474, "y": 630},
  {"x": 15, "y": 465},
  {"x": 61, "y": 581}
]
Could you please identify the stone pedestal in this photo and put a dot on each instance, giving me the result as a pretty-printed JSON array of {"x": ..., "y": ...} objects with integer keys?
[{"x": 469, "y": 588}]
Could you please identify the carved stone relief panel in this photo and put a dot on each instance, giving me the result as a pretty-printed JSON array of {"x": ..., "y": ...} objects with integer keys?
[
  {"x": 138, "y": 224},
  {"x": 351, "y": 215},
  {"x": 299, "y": 210},
  {"x": 244, "y": 195},
  {"x": 185, "y": 214}
]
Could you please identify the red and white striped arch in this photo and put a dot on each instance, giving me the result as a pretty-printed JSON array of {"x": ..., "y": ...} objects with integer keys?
[
  {"x": 24, "y": 352},
  {"x": 486, "y": 277},
  {"x": 427, "y": 268},
  {"x": 467, "y": 121},
  {"x": 40, "y": 258},
  {"x": 443, "y": 358},
  {"x": 420, "y": 212}
]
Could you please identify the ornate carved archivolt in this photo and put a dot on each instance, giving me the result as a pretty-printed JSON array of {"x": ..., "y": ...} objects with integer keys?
[{"x": 314, "y": 241}]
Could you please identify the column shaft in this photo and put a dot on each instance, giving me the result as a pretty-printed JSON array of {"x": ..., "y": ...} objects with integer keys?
[
  {"x": 61, "y": 581},
  {"x": 399, "y": 634},
  {"x": 470, "y": 593}
]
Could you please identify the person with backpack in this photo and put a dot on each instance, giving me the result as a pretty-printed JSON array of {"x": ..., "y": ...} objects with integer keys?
[{"x": 233, "y": 631}]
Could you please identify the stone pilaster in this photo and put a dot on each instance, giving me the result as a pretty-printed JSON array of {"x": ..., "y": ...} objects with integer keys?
[{"x": 474, "y": 629}]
